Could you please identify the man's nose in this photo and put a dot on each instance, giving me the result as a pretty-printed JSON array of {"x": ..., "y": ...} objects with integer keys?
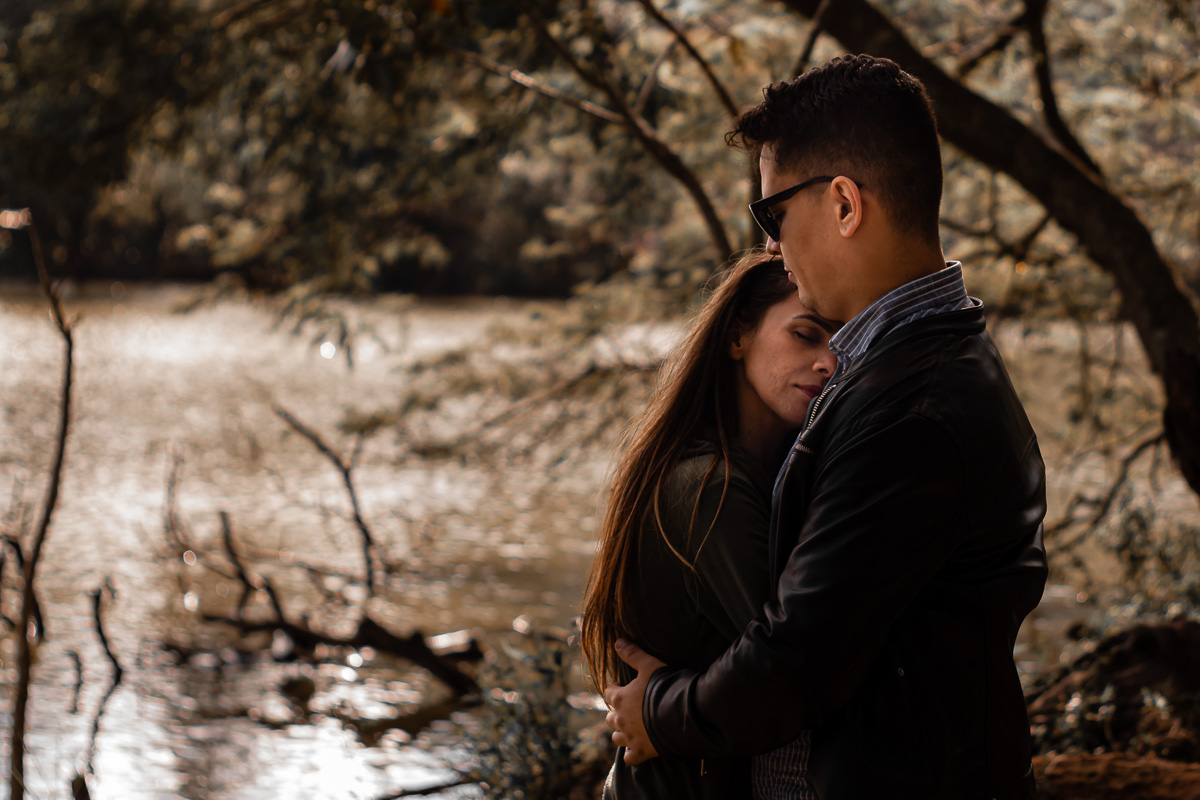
[{"x": 773, "y": 247}]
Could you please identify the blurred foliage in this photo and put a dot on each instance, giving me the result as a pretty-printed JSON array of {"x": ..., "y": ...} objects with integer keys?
[
  {"x": 1135, "y": 691},
  {"x": 347, "y": 145},
  {"x": 528, "y": 744}
]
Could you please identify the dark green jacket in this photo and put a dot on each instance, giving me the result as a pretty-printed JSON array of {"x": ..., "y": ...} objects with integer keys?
[{"x": 689, "y": 618}]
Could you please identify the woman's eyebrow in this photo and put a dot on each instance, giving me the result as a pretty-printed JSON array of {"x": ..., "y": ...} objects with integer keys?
[{"x": 830, "y": 327}]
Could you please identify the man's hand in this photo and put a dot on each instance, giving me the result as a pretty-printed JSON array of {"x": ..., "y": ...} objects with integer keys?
[{"x": 625, "y": 704}]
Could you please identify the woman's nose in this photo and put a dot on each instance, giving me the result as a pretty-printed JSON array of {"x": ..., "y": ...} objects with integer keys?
[
  {"x": 826, "y": 363},
  {"x": 773, "y": 246}
]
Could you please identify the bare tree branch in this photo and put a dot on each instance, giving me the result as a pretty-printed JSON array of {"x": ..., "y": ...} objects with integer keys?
[
  {"x": 19, "y": 555},
  {"x": 77, "y": 689},
  {"x": 117, "y": 673},
  {"x": 719, "y": 88},
  {"x": 1000, "y": 39},
  {"x": 810, "y": 41},
  {"x": 1035, "y": 21},
  {"x": 172, "y": 526},
  {"x": 1105, "y": 503},
  {"x": 516, "y": 409},
  {"x": 530, "y": 82},
  {"x": 643, "y": 97},
  {"x": 24, "y": 654},
  {"x": 346, "y": 468},
  {"x": 240, "y": 571},
  {"x": 670, "y": 161},
  {"x": 368, "y": 634}
]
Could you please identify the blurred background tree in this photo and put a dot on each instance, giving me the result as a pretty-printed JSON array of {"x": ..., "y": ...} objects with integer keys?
[{"x": 533, "y": 146}]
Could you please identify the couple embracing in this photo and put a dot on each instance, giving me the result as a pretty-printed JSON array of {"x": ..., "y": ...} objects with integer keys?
[{"x": 825, "y": 530}]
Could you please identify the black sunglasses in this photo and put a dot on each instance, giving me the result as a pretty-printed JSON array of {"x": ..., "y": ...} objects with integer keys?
[{"x": 761, "y": 209}]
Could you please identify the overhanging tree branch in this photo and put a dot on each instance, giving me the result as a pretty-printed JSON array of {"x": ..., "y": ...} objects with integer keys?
[
  {"x": 530, "y": 82},
  {"x": 1035, "y": 17},
  {"x": 1001, "y": 38},
  {"x": 810, "y": 40},
  {"x": 718, "y": 87},
  {"x": 643, "y": 96},
  {"x": 658, "y": 150},
  {"x": 1109, "y": 230}
]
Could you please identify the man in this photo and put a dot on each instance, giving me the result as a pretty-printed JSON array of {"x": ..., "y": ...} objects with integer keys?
[{"x": 906, "y": 529}]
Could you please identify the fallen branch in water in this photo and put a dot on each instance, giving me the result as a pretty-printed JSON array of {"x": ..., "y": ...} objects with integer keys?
[{"x": 368, "y": 634}]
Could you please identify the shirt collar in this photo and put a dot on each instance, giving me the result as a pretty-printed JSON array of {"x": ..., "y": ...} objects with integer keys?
[{"x": 940, "y": 291}]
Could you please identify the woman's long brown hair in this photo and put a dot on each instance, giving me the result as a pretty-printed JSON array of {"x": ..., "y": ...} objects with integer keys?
[{"x": 696, "y": 390}]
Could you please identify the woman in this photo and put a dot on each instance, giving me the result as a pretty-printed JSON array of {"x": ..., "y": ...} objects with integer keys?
[{"x": 682, "y": 561}]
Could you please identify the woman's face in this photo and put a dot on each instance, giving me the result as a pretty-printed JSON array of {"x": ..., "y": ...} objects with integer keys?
[{"x": 783, "y": 364}]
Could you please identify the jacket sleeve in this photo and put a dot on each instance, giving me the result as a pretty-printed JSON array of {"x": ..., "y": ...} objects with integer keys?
[
  {"x": 883, "y": 518},
  {"x": 732, "y": 583}
]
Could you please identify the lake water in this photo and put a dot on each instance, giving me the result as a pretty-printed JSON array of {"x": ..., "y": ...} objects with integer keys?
[{"x": 473, "y": 542}]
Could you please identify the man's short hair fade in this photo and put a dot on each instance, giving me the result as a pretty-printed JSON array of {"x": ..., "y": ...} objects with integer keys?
[{"x": 858, "y": 116}]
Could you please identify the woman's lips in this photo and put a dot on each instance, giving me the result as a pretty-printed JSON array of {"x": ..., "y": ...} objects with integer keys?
[{"x": 811, "y": 391}]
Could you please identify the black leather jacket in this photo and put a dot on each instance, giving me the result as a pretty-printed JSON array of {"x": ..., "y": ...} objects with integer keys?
[{"x": 906, "y": 538}]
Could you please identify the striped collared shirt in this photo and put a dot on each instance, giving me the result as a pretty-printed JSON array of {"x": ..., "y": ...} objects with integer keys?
[{"x": 938, "y": 293}]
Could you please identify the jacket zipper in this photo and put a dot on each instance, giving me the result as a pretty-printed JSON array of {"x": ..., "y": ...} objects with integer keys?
[{"x": 812, "y": 415}]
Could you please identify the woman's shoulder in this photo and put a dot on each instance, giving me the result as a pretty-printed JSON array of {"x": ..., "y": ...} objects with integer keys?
[{"x": 702, "y": 468}]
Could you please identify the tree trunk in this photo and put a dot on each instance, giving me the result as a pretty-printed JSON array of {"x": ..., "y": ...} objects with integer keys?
[{"x": 1152, "y": 297}]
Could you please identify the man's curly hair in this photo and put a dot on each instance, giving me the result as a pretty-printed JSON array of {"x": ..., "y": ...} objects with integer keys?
[{"x": 858, "y": 116}]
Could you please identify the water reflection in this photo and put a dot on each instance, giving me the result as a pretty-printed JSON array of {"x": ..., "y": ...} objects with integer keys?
[{"x": 215, "y": 722}]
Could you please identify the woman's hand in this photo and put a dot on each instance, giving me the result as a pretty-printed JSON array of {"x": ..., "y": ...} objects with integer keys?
[{"x": 625, "y": 704}]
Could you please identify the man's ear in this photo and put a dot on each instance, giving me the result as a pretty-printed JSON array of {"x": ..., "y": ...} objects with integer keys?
[{"x": 848, "y": 202}]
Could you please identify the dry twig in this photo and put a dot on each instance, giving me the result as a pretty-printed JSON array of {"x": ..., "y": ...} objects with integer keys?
[
  {"x": 1104, "y": 504},
  {"x": 345, "y": 466},
  {"x": 117, "y": 672},
  {"x": 530, "y": 82},
  {"x": 24, "y": 654}
]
